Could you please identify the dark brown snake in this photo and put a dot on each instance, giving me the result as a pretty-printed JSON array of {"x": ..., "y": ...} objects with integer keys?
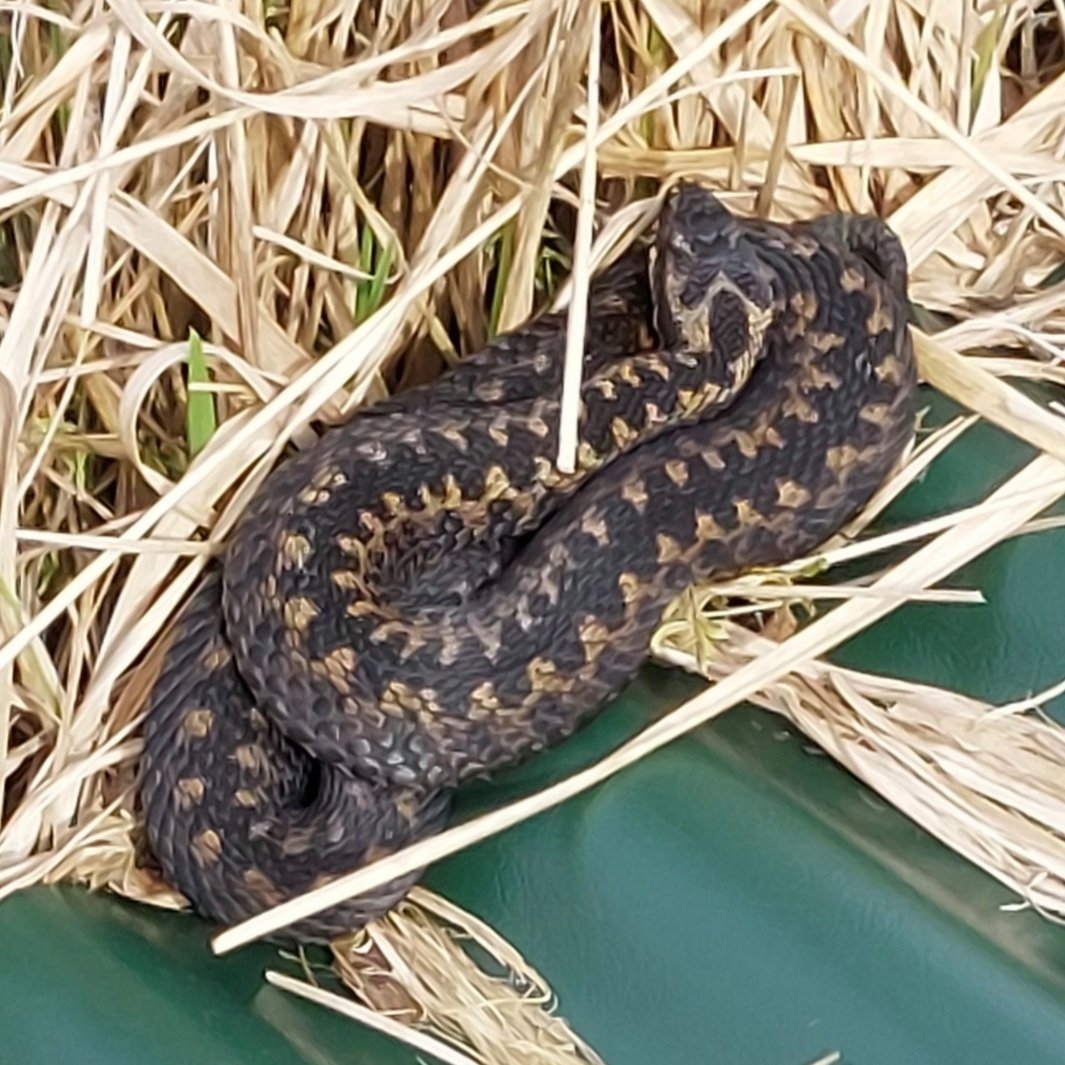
[{"x": 422, "y": 597}]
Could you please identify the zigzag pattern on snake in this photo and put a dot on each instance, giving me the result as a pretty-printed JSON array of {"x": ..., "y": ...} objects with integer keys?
[{"x": 423, "y": 597}]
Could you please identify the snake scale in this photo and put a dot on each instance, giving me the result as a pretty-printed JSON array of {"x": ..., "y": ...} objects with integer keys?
[{"x": 423, "y": 596}]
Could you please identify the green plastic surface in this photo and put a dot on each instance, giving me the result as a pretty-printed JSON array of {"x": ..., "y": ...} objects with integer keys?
[{"x": 736, "y": 898}]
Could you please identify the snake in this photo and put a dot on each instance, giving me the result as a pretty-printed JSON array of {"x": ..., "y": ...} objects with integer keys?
[{"x": 427, "y": 595}]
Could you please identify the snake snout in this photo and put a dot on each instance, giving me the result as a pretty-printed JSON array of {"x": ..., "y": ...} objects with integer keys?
[{"x": 692, "y": 207}]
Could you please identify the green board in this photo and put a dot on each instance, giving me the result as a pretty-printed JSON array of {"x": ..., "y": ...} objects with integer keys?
[{"x": 736, "y": 898}]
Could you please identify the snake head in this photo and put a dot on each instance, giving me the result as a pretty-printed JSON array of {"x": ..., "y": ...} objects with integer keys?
[{"x": 712, "y": 292}]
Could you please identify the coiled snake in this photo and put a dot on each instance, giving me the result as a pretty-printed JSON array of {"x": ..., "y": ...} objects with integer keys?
[{"x": 423, "y": 596}]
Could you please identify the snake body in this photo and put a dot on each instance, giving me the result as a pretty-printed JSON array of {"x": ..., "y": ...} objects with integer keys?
[{"x": 423, "y": 596}]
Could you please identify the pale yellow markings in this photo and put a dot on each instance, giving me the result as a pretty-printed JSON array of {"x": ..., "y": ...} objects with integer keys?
[
  {"x": 824, "y": 342},
  {"x": 694, "y": 325},
  {"x": 490, "y": 638},
  {"x": 594, "y": 525},
  {"x": 452, "y": 494},
  {"x": 678, "y": 472},
  {"x": 852, "y": 280},
  {"x": 207, "y": 847},
  {"x": 804, "y": 304},
  {"x": 363, "y": 609},
  {"x": 347, "y": 579},
  {"x": 798, "y": 406},
  {"x": 497, "y": 484},
  {"x": 653, "y": 415},
  {"x": 247, "y": 798},
  {"x": 216, "y": 658},
  {"x": 198, "y": 723},
  {"x": 397, "y": 694},
  {"x": 667, "y": 549},
  {"x": 746, "y": 513},
  {"x": 880, "y": 321},
  {"x": 631, "y": 587},
  {"x": 634, "y": 491},
  {"x": 622, "y": 432},
  {"x": 707, "y": 529},
  {"x": 450, "y": 649},
  {"x": 594, "y": 636},
  {"x": 745, "y": 442},
  {"x": 352, "y": 545},
  {"x": 484, "y": 696},
  {"x": 839, "y": 459},
  {"x": 393, "y": 503},
  {"x": 791, "y": 493},
  {"x": 341, "y": 661},
  {"x": 372, "y": 524},
  {"x": 889, "y": 371},
  {"x": 702, "y": 397},
  {"x": 252, "y": 757},
  {"x": 313, "y": 497},
  {"x": 295, "y": 549},
  {"x": 764, "y": 434},
  {"x": 587, "y": 456},
  {"x": 415, "y": 641},
  {"x": 190, "y": 792},
  {"x": 758, "y": 324},
  {"x": 607, "y": 389},
  {"x": 299, "y": 612},
  {"x": 430, "y": 504},
  {"x": 388, "y": 629},
  {"x": 548, "y": 474},
  {"x": 875, "y": 413},
  {"x": 454, "y": 436},
  {"x": 819, "y": 378},
  {"x": 712, "y": 457},
  {"x": 484, "y": 703},
  {"x": 544, "y": 676}
]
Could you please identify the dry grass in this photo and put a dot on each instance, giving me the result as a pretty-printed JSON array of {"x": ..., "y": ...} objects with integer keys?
[{"x": 342, "y": 198}]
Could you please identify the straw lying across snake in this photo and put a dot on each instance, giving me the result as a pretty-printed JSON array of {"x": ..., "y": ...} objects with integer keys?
[{"x": 423, "y": 596}]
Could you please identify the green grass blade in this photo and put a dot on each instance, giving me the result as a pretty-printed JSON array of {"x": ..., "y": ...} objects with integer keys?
[
  {"x": 201, "y": 420},
  {"x": 504, "y": 258},
  {"x": 986, "y": 49}
]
